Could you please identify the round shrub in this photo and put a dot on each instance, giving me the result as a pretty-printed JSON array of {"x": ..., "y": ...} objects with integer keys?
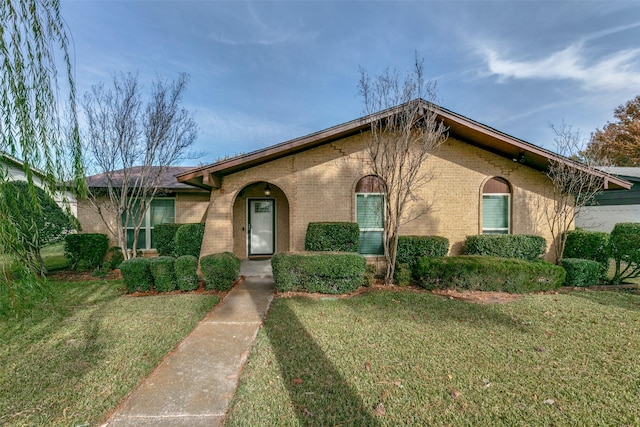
[
  {"x": 581, "y": 272},
  {"x": 518, "y": 246},
  {"x": 162, "y": 270},
  {"x": 188, "y": 239},
  {"x": 186, "y": 272},
  {"x": 220, "y": 270},
  {"x": 136, "y": 275},
  {"x": 332, "y": 236}
]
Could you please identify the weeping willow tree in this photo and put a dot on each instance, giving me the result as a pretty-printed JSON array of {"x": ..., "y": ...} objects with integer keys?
[{"x": 33, "y": 41}]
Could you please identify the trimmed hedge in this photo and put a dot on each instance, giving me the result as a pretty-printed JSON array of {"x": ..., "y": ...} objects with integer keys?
[
  {"x": 518, "y": 246},
  {"x": 412, "y": 248},
  {"x": 220, "y": 270},
  {"x": 188, "y": 239},
  {"x": 332, "y": 237},
  {"x": 164, "y": 238},
  {"x": 486, "y": 273},
  {"x": 581, "y": 272},
  {"x": 86, "y": 249},
  {"x": 163, "y": 272},
  {"x": 186, "y": 268},
  {"x": 136, "y": 274},
  {"x": 324, "y": 272},
  {"x": 592, "y": 245}
]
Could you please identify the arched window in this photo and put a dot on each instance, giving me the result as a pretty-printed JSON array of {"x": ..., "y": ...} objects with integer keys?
[
  {"x": 496, "y": 207},
  {"x": 370, "y": 215}
]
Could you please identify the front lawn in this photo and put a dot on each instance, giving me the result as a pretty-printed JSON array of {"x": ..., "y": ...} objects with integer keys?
[
  {"x": 70, "y": 361},
  {"x": 412, "y": 358}
]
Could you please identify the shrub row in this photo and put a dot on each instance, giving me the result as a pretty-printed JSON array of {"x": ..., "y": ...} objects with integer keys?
[
  {"x": 163, "y": 273},
  {"x": 518, "y": 246},
  {"x": 220, "y": 270},
  {"x": 328, "y": 273},
  {"x": 85, "y": 251},
  {"x": 178, "y": 239},
  {"x": 332, "y": 237},
  {"x": 488, "y": 274}
]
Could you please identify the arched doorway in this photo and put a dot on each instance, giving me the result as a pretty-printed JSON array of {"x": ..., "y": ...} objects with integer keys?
[{"x": 260, "y": 221}]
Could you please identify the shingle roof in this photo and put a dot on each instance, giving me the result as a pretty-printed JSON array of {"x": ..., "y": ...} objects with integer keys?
[{"x": 168, "y": 179}]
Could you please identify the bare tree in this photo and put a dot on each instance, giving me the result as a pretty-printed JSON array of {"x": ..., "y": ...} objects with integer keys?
[
  {"x": 131, "y": 145},
  {"x": 575, "y": 185},
  {"x": 405, "y": 131}
]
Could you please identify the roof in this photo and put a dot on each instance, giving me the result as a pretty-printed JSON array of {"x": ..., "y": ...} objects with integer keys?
[
  {"x": 168, "y": 181},
  {"x": 14, "y": 161},
  {"x": 460, "y": 127},
  {"x": 628, "y": 173}
]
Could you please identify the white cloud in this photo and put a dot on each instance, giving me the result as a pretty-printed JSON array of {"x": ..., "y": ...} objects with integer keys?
[{"x": 619, "y": 70}]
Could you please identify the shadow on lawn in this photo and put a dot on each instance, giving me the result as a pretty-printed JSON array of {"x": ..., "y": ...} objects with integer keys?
[
  {"x": 317, "y": 390},
  {"x": 628, "y": 299}
]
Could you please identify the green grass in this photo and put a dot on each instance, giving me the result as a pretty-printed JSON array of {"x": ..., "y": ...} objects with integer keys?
[
  {"x": 53, "y": 256},
  {"x": 578, "y": 352},
  {"x": 70, "y": 362}
]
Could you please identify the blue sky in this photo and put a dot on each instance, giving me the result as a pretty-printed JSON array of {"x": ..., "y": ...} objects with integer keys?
[{"x": 265, "y": 72}]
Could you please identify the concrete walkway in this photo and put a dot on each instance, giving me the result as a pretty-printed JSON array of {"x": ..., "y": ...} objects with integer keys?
[{"x": 193, "y": 385}]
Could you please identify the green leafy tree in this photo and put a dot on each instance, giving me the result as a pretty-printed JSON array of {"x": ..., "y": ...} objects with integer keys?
[
  {"x": 32, "y": 37},
  {"x": 47, "y": 225}
]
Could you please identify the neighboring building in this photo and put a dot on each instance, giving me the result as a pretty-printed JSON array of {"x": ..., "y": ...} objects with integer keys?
[
  {"x": 14, "y": 169},
  {"x": 175, "y": 203},
  {"x": 484, "y": 181},
  {"x": 260, "y": 203},
  {"x": 614, "y": 206}
]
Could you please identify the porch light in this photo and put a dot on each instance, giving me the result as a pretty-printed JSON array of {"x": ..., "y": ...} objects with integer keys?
[{"x": 267, "y": 190}]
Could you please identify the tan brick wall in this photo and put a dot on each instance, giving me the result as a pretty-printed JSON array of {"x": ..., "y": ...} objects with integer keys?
[
  {"x": 190, "y": 207},
  {"x": 319, "y": 184}
]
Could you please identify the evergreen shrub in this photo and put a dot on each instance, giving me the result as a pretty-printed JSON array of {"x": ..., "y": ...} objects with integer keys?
[
  {"x": 162, "y": 270},
  {"x": 518, "y": 246},
  {"x": 581, "y": 272},
  {"x": 164, "y": 238},
  {"x": 86, "y": 250},
  {"x": 186, "y": 272},
  {"x": 136, "y": 275},
  {"x": 332, "y": 237},
  {"x": 486, "y": 273},
  {"x": 220, "y": 270},
  {"x": 324, "y": 272},
  {"x": 188, "y": 239}
]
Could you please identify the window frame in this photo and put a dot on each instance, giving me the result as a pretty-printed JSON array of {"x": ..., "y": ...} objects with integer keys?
[
  {"x": 501, "y": 230},
  {"x": 369, "y": 229},
  {"x": 146, "y": 226}
]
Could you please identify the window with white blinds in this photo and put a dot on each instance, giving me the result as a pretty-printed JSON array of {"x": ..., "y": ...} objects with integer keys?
[{"x": 369, "y": 215}]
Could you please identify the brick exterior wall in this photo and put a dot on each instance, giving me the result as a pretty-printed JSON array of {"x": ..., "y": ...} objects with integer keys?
[
  {"x": 318, "y": 185},
  {"x": 190, "y": 207}
]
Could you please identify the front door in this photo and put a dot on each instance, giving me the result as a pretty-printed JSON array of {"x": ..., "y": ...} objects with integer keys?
[{"x": 261, "y": 227}]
